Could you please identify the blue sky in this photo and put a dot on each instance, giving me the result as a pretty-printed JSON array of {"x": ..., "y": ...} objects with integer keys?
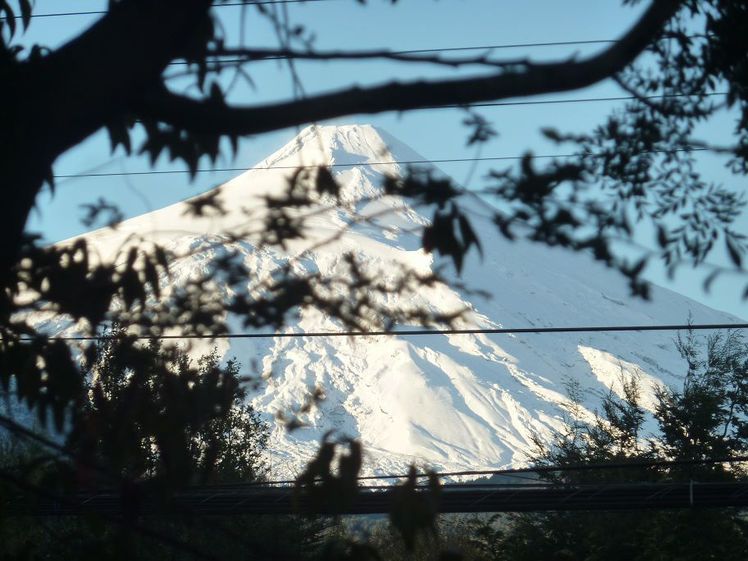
[{"x": 436, "y": 134}]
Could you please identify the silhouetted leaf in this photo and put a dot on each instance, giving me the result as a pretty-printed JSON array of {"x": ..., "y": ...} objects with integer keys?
[
  {"x": 326, "y": 183},
  {"x": 25, "y": 6},
  {"x": 734, "y": 250},
  {"x": 206, "y": 204},
  {"x": 151, "y": 276},
  {"x": 468, "y": 234},
  {"x": 414, "y": 510}
]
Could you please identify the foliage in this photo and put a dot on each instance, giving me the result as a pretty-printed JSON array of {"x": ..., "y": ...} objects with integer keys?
[
  {"x": 150, "y": 421},
  {"x": 454, "y": 539},
  {"x": 639, "y": 166},
  {"x": 148, "y": 413},
  {"x": 413, "y": 512},
  {"x": 702, "y": 420}
]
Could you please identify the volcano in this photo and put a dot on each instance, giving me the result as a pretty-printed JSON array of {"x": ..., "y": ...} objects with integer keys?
[{"x": 449, "y": 401}]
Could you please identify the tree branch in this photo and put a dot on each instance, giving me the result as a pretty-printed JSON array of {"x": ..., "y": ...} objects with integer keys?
[
  {"x": 92, "y": 79},
  {"x": 212, "y": 117},
  {"x": 241, "y": 55}
]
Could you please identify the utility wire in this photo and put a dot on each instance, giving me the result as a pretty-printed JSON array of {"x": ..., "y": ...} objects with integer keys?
[
  {"x": 539, "y": 469},
  {"x": 26, "y": 433},
  {"x": 540, "y": 497},
  {"x": 361, "y": 164},
  {"x": 575, "y": 100},
  {"x": 506, "y": 46},
  {"x": 518, "y": 471},
  {"x": 312, "y": 166},
  {"x": 415, "y": 332},
  {"x": 398, "y": 52},
  {"x": 598, "y": 466},
  {"x": 225, "y": 5}
]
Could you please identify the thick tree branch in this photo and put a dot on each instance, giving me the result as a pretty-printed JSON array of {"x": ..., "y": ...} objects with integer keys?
[
  {"x": 49, "y": 104},
  {"x": 214, "y": 118},
  {"x": 90, "y": 81}
]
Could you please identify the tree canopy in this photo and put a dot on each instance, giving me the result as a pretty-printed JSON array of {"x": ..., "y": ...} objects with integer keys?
[{"x": 702, "y": 420}]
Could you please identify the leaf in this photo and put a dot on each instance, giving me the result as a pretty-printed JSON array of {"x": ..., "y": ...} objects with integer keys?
[
  {"x": 414, "y": 510},
  {"x": 205, "y": 204},
  {"x": 151, "y": 275},
  {"x": 734, "y": 250},
  {"x": 49, "y": 179},
  {"x": 161, "y": 258},
  {"x": 234, "y": 141},
  {"x": 101, "y": 206},
  {"x": 551, "y": 134},
  {"x": 468, "y": 234},
  {"x": 25, "y": 12},
  {"x": 325, "y": 182},
  {"x": 132, "y": 255},
  {"x": 119, "y": 135},
  {"x": 216, "y": 94},
  {"x": 10, "y": 19},
  {"x": 638, "y": 268},
  {"x": 709, "y": 280},
  {"x": 482, "y": 131},
  {"x": 427, "y": 239},
  {"x": 319, "y": 483},
  {"x": 662, "y": 237},
  {"x": 132, "y": 289}
]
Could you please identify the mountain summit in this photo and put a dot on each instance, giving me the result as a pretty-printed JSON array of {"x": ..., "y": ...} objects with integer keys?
[{"x": 453, "y": 402}]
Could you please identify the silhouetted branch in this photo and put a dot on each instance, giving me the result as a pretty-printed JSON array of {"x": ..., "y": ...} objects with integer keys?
[
  {"x": 254, "y": 54},
  {"x": 214, "y": 117}
]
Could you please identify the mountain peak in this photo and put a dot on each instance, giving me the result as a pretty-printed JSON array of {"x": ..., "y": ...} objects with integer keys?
[{"x": 343, "y": 145}]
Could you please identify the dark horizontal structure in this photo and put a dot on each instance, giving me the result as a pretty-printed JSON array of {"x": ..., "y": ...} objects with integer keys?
[{"x": 460, "y": 499}]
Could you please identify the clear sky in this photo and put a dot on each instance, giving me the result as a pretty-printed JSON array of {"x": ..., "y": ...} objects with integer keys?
[{"x": 436, "y": 134}]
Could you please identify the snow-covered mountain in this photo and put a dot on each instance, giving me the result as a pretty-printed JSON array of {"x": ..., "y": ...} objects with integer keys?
[{"x": 449, "y": 401}]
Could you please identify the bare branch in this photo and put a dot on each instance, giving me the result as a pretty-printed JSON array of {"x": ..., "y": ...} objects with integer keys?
[
  {"x": 243, "y": 55},
  {"x": 216, "y": 118}
]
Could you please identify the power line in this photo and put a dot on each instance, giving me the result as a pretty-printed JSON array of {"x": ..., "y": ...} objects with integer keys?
[
  {"x": 258, "y": 497},
  {"x": 512, "y": 498},
  {"x": 225, "y": 5},
  {"x": 345, "y": 165},
  {"x": 508, "y": 46},
  {"x": 512, "y": 471},
  {"x": 311, "y": 166},
  {"x": 333, "y": 165},
  {"x": 590, "y": 467},
  {"x": 398, "y": 52},
  {"x": 576, "y": 100},
  {"x": 636, "y": 464},
  {"x": 416, "y": 332}
]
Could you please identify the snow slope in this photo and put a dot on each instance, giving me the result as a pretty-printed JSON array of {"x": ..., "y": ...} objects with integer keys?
[{"x": 449, "y": 401}]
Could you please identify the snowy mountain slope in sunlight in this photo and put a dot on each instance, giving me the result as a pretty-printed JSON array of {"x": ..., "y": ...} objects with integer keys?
[{"x": 449, "y": 401}]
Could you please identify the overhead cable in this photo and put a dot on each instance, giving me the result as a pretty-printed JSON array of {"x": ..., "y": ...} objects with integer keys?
[
  {"x": 415, "y": 332},
  {"x": 357, "y": 164},
  {"x": 223, "y": 5}
]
